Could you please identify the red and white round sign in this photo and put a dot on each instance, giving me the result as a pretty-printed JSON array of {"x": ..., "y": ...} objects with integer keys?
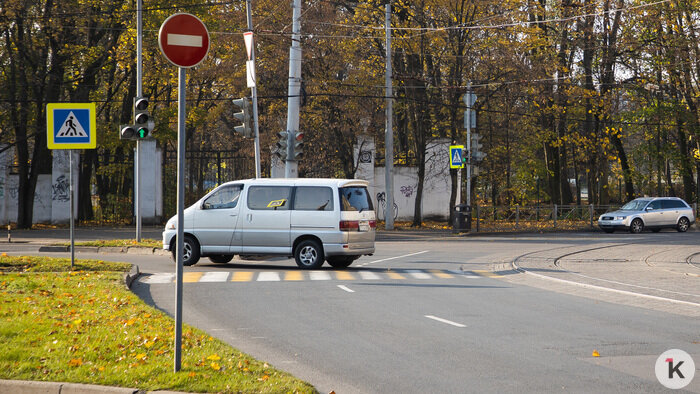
[{"x": 184, "y": 40}]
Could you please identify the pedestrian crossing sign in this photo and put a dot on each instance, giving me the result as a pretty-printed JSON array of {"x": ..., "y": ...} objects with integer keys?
[
  {"x": 71, "y": 126},
  {"x": 456, "y": 156}
]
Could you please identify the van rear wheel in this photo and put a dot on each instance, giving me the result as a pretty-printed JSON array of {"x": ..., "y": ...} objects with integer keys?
[
  {"x": 341, "y": 261},
  {"x": 221, "y": 258},
  {"x": 309, "y": 254}
]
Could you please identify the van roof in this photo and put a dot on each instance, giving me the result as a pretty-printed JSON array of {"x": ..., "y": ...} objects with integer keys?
[{"x": 304, "y": 181}]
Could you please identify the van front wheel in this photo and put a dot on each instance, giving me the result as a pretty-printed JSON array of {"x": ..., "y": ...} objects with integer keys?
[
  {"x": 190, "y": 251},
  {"x": 309, "y": 254}
]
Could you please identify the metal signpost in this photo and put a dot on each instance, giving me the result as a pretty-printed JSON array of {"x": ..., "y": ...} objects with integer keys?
[
  {"x": 71, "y": 126},
  {"x": 184, "y": 41}
]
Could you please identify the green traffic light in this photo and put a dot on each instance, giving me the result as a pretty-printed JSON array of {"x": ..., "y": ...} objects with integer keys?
[{"x": 143, "y": 132}]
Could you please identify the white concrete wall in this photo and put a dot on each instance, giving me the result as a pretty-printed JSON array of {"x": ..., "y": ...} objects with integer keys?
[
  {"x": 150, "y": 182},
  {"x": 436, "y": 189},
  {"x": 60, "y": 191}
]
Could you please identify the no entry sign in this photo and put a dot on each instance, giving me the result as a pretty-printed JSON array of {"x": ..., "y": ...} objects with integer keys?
[{"x": 184, "y": 40}]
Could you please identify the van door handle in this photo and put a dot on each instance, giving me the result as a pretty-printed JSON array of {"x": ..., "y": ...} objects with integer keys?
[
  {"x": 233, "y": 214},
  {"x": 250, "y": 217}
]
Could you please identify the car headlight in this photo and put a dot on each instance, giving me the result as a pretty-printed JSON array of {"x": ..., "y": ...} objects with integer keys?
[{"x": 620, "y": 217}]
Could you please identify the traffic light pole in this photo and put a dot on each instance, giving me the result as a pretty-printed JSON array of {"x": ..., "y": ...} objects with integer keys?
[
  {"x": 468, "y": 114},
  {"x": 294, "y": 89},
  {"x": 139, "y": 93},
  {"x": 254, "y": 91}
]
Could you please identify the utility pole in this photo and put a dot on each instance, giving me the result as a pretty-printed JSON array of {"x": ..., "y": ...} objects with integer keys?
[
  {"x": 294, "y": 90},
  {"x": 254, "y": 91},
  {"x": 139, "y": 93},
  {"x": 468, "y": 123},
  {"x": 389, "y": 132}
]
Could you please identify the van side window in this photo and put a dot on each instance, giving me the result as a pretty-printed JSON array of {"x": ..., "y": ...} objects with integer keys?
[
  {"x": 312, "y": 198},
  {"x": 225, "y": 197},
  {"x": 355, "y": 198},
  {"x": 269, "y": 197}
]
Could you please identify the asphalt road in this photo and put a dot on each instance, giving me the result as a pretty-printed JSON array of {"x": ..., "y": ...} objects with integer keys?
[{"x": 428, "y": 314}]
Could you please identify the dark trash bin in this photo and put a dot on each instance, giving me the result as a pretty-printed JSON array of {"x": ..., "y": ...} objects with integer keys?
[{"x": 462, "y": 218}]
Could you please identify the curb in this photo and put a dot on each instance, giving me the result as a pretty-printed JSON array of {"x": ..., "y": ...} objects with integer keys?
[
  {"x": 106, "y": 249},
  {"x": 31, "y": 387},
  {"x": 131, "y": 276}
]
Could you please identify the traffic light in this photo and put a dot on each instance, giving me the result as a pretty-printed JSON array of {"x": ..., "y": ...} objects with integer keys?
[
  {"x": 477, "y": 154},
  {"x": 281, "y": 145},
  {"x": 127, "y": 132},
  {"x": 245, "y": 116},
  {"x": 298, "y": 145},
  {"x": 143, "y": 123}
]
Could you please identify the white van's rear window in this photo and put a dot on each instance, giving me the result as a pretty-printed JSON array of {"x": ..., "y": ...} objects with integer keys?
[{"x": 355, "y": 198}]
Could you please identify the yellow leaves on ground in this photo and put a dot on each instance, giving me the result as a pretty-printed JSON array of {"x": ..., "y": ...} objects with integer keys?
[
  {"x": 75, "y": 362},
  {"x": 215, "y": 366},
  {"x": 214, "y": 357},
  {"x": 595, "y": 353}
]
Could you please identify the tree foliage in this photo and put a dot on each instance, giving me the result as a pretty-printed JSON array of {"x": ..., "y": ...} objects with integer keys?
[{"x": 577, "y": 100}]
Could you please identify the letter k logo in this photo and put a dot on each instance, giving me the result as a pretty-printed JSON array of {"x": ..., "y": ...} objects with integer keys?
[
  {"x": 672, "y": 369},
  {"x": 675, "y": 369}
]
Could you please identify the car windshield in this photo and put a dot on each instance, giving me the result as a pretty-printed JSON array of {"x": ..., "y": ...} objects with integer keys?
[{"x": 634, "y": 205}]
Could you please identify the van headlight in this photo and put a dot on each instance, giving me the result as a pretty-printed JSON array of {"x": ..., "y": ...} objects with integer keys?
[{"x": 171, "y": 224}]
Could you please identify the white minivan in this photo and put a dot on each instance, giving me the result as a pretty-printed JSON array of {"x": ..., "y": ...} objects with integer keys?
[{"x": 314, "y": 220}]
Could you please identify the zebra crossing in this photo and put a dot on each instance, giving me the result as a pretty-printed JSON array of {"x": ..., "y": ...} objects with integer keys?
[{"x": 296, "y": 275}]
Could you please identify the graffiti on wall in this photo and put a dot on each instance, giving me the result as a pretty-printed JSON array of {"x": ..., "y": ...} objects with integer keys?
[
  {"x": 406, "y": 190},
  {"x": 60, "y": 191}
]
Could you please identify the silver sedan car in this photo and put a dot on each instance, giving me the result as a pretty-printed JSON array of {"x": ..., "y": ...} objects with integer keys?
[{"x": 652, "y": 213}]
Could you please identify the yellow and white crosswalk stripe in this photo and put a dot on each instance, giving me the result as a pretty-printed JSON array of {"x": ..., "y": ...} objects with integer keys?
[
  {"x": 319, "y": 275},
  {"x": 242, "y": 276}
]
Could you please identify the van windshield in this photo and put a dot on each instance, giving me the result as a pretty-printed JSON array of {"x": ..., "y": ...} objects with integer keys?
[{"x": 355, "y": 198}]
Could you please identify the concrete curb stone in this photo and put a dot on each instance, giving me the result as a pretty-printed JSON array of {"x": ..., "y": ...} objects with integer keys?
[
  {"x": 139, "y": 250},
  {"x": 111, "y": 249},
  {"x": 131, "y": 276},
  {"x": 31, "y": 387}
]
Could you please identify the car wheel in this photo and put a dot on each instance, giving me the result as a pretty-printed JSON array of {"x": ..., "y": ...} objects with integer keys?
[
  {"x": 221, "y": 258},
  {"x": 609, "y": 230},
  {"x": 341, "y": 261},
  {"x": 190, "y": 251},
  {"x": 309, "y": 254},
  {"x": 683, "y": 225},
  {"x": 636, "y": 226}
]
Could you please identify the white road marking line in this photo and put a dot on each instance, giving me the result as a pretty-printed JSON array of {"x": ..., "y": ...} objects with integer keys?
[
  {"x": 268, "y": 277},
  {"x": 214, "y": 277},
  {"x": 586, "y": 285},
  {"x": 319, "y": 275},
  {"x": 343, "y": 287},
  {"x": 419, "y": 274},
  {"x": 160, "y": 278},
  {"x": 368, "y": 275},
  {"x": 445, "y": 321},
  {"x": 393, "y": 258},
  {"x": 185, "y": 40}
]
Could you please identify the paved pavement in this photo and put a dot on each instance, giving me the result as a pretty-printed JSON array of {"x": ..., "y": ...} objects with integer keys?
[{"x": 665, "y": 277}]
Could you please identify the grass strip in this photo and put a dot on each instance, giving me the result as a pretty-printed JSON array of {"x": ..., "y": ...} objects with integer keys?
[
  {"x": 87, "y": 327},
  {"x": 148, "y": 243}
]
